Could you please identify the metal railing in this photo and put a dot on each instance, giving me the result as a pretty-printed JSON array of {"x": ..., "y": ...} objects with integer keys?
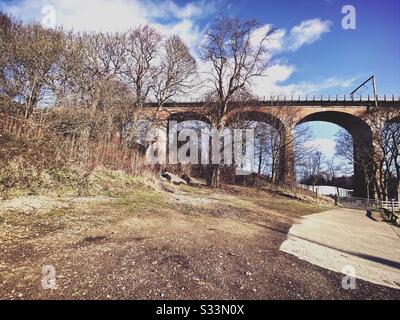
[
  {"x": 287, "y": 101},
  {"x": 364, "y": 203}
]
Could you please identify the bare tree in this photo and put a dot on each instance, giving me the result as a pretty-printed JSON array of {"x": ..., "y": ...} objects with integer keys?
[
  {"x": 291, "y": 143},
  {"x": 302, "y": 150},
  {"x": 264, "y": 149},
  {"x": 8, "y": 26},
  {"x": 359, "y": 155},
  {"x": 90, "y": 78},
  {"x": 142, "y": 47},
  {"x": 175, "y": 74},
  {"x": 313, "y": 168},
  {"x": 272, "y": 144},
  {"x": 31, "y": 64},
  {"x": 235, "y": 61},
  {"x": 333, "y": 168},
  {"x": 385, "y": 124},
  {"x": 101, "y": 62}
]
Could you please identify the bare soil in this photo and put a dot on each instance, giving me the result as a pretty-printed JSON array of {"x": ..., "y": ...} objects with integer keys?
[{"x": 163, "y": 243}]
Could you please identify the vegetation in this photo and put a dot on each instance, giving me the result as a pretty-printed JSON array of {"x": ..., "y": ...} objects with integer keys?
[
  {"x": 380, "y": 164},
  {"x": 71, "y": 103}
]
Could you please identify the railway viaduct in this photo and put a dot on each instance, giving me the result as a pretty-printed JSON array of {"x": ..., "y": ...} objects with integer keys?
[{"x": 354, "y": 115}]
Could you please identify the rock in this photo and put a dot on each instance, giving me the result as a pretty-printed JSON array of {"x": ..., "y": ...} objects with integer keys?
[
  {"x": 193, "y": 181},
  {"x": 173, "y": 178}
]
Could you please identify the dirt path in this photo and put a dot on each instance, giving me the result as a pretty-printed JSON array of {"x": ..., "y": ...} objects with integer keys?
[
  {"x": 344, "y": 237},
  {"x": 171, "y": 244}
]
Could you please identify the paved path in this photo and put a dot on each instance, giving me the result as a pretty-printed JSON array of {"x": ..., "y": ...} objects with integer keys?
[{"x": 341, "y": 237}]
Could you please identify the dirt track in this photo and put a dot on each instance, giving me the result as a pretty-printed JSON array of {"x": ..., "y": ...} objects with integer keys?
[{"x": 169, "y": 244}]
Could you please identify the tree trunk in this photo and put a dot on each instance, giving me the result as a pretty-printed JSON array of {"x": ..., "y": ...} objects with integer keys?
[
  {"x": 215, "y": 180},
  {"x": 259, "y": 161},
  {"x": 233, "y": 171},
  {"x": 273, "y": 169},
  {"x": 398, "y": 190},
  {"x": 215, "y": 176}
]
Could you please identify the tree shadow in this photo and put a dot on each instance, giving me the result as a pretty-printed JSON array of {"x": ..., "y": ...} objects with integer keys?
[{"x": 380, "y": 260}]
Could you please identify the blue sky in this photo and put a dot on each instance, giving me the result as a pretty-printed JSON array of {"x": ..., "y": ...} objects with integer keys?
[
  {"x": 311, "y": 51},
  {"x": 373, "y": 48}
]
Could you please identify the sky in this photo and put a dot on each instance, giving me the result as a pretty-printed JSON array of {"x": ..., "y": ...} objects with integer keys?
[{"x": 311, "y": 52}]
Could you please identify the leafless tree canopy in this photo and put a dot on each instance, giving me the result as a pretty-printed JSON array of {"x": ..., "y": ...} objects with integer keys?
[
  {"x": 78, "y": 68},
  {"x": 29, "y": 66},
  {"x": 142, "y": 46},
  {"x": 235, "y": 59},
  {"x": 174, "y": 76}
]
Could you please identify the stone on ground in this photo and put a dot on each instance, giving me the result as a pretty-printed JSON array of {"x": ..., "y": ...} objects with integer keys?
[
  {"x": 173, "y": 178},
  {"x": 194, "y": 181}
]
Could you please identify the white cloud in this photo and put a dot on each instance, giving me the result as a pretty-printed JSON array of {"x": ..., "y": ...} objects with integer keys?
[
  {"x": 170, "y": 18},
  {"x": 278, "y": 73},
  {"x": 88, "y": 15},
  {"x": 307, "y": 32},
  {"x": 325, "y": 146},
  {"x": 186, "y": 29},
  {"x": 274, "y": 43},
  {"x": 309, "y": 87},
  {"x": 269, "y": 84},
  {"x": 120, "y": 15},
  {"x": 169, "y": 9}
]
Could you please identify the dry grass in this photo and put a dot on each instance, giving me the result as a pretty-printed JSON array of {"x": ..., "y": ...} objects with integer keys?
[
  {"x": 69, "y": 210},
  {"x": 36, "y": 159},
  {"x": 144, "y": 238}
]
